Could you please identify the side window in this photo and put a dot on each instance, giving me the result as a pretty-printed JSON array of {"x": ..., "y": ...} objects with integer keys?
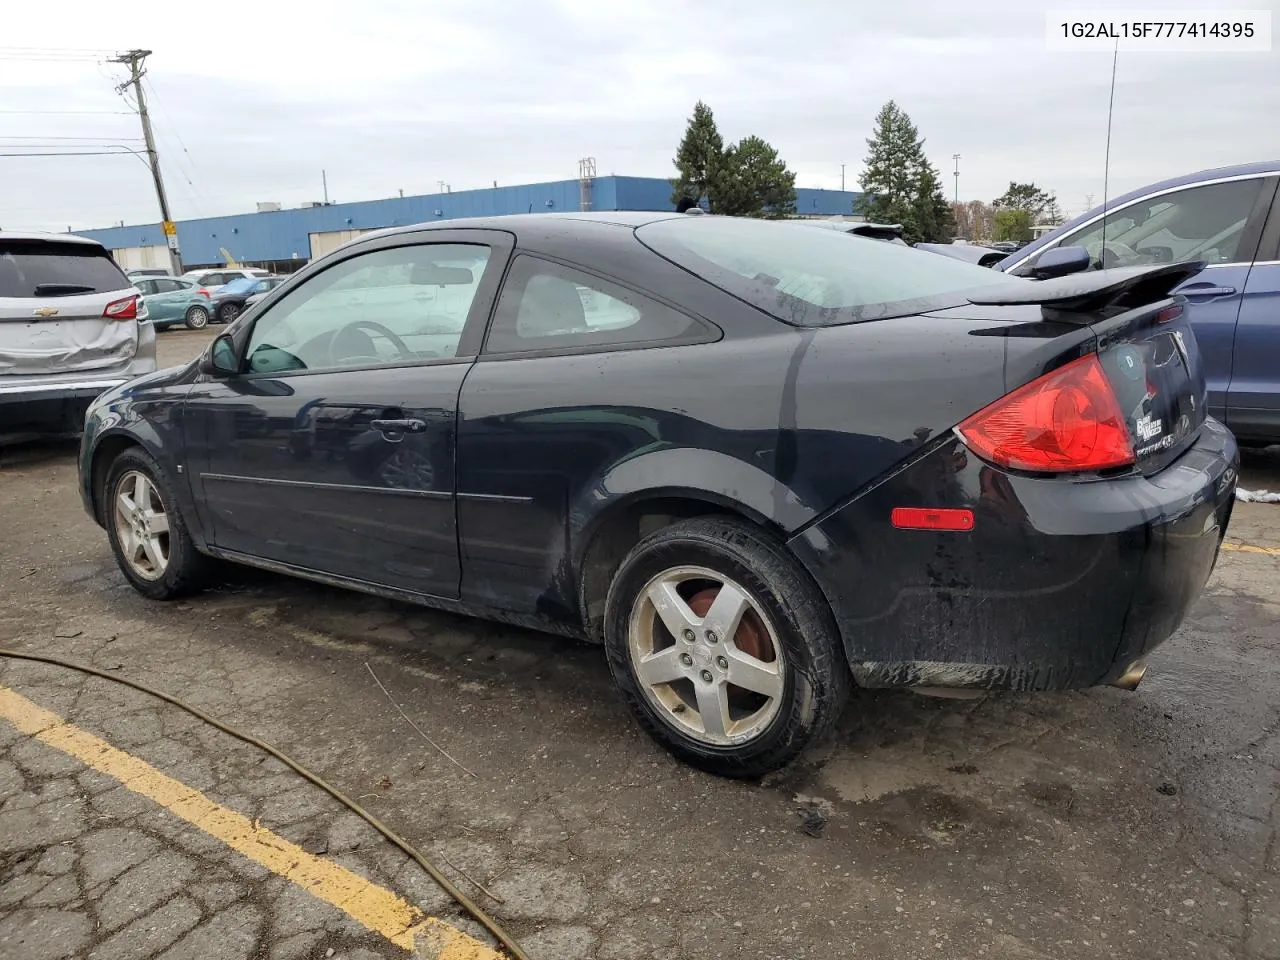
[
  {"x": 166, "y": 286},
  {"x": 1199, "y": 223},
  {"x": 547, "y": 306},
  {"x": 399, "y": 305},
  {"x": 147, "y": 287}
]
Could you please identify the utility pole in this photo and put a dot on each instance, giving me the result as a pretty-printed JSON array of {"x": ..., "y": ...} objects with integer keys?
[
  {"x": 324, "y": 182},
  {"x": 133, "y": 60},
  {"x": 956, "y": 158},
  {"x": 842, "y": 178}
]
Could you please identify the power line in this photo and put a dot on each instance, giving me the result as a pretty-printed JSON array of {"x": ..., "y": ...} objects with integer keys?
[
  {"x": 53, "y": 54},
  {"x": 82, "y": 51},
  {"x": 27, "y": 58},
  {"x": 68, "y": 153},
  {"x": 186, "y": 167},
  {"x": 114, "y": 113},
  {"x": 6, "y": 136}
]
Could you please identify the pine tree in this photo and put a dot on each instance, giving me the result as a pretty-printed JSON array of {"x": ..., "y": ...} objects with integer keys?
[
  {"x": 699, "y": 156},
  {"x": 894, "y": 160},
  {"x": 934, "y": 218},
  {"x": 753, "y": 181},
  {"x": 901, "y": 185}
]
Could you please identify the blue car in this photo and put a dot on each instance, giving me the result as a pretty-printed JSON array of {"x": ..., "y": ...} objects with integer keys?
[{"x": 1230, "y": 218}]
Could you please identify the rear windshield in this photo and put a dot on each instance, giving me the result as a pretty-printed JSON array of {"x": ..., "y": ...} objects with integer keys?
[
  {"x": 42, "y": 269},
  {"x": 814, "y": 278},
  {"x": 242, "y": 285}
]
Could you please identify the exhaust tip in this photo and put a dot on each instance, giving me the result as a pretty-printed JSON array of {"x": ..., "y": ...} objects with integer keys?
[{"x": 1132, "y": 676}]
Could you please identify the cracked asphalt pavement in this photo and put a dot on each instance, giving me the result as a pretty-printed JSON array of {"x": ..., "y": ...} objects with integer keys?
[{"x": 1082, "y": 825}]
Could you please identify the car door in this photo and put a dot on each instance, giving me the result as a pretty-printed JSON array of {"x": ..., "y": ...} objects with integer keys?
[
  {"x": 166, "y": 305},
  {"x": 1253, "y": 404},
  {"x": 332, "y": 451},
  {"x": 528, "y": 444},
  {"x": 147, "y": 287},
  {"x": 1219, "y": 222}
]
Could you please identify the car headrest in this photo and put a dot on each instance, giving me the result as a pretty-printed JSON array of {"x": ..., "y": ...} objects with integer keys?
[{"x": 549, "y": 305}]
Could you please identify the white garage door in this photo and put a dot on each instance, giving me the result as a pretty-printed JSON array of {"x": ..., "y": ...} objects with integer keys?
[{"x": 322, "y": 243}]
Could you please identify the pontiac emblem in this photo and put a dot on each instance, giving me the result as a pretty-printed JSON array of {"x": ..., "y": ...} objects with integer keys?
[{"x": 47, "y": 312}]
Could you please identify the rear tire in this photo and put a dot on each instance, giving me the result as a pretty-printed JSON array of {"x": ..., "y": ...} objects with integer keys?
[
  {"x": 736, "y": 683},
  {"x": 151, "y": 543},
  {"x": 197, "y": 317},
  {"x": 228, "y": 312}
]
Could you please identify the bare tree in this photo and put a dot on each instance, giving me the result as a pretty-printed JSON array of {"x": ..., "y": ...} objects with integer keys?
[{"x": 975, "y": 220}]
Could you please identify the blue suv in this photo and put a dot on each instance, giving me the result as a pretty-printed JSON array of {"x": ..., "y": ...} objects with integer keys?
[{"x": 1229, "y": 218}]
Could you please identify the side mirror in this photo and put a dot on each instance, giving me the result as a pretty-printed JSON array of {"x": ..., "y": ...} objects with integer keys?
[
  {"x": 1060, "y": 261},
  {"x": 221, "y": 360}
]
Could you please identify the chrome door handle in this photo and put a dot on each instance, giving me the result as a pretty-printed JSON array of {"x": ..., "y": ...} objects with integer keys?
[
  {"x": 399, "y": 426},
  {"x": 1206, "y": 291}
]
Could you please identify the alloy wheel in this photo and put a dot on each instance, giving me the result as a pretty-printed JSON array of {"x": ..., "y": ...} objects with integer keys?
[
  {"x": 142, "y": 525},
  {"x": 706, "y": 656}
]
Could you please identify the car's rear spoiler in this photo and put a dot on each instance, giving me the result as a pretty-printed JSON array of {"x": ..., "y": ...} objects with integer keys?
[
  {"x": 1094, "y": 290},
  {"x": 877, "y": 231}
]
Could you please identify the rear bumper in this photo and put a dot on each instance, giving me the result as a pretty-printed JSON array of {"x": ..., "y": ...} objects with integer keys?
[
  {"x": 80, "y": 389},
  {"x": 1059, "y": 585}
]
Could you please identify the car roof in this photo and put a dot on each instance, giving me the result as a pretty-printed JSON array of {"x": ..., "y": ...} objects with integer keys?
[
  {"x": 1259, "y": 168},
  {"x": 558, "y": 222},
  {"x": 50, "y": 237}
]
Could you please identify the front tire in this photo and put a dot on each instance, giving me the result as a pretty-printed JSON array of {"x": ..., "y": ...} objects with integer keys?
[
  {"x": 723, "y": 647},
  {"x": 228, "y": 312},
  {"x": 197, "y": 317},
  {"x": 152, "y": 545}
]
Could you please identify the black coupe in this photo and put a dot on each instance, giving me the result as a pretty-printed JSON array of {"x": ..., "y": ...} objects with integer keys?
[{"x": 759, "y": 462}]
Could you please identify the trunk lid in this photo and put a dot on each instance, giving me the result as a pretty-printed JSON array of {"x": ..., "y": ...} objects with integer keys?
[
  {"x": 1144, "y": 342},
  {"x": 53, "y": 296}
]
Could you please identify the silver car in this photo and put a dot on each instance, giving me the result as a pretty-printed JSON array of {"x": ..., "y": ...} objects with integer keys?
[{"x": 71, "y": 326}]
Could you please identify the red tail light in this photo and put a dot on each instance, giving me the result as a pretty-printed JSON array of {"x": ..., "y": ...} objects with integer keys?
[
  {"x": 203, "y": 292},
  {"x": 126, "y": 309},
  {"x": 1068, "y": 420}
]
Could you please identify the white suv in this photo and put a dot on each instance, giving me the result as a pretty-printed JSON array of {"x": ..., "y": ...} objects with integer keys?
[
  {"x": 216, "y": 277},
  {"x": 71, "y": 326}
]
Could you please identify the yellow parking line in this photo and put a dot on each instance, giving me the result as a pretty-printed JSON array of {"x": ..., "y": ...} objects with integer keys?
[
  {"x": 375, "y": 907},
  {"x": 1250, "y": 548}
]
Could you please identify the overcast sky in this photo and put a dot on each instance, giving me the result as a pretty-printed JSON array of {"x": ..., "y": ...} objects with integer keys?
[{"x": 251, "y": 102}]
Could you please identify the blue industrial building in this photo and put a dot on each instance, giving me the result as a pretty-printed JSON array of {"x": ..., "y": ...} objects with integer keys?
[{"x": 285, "y": 239}]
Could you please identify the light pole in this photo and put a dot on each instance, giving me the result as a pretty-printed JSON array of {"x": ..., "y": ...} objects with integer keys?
[{"x": 956, "y": 158}]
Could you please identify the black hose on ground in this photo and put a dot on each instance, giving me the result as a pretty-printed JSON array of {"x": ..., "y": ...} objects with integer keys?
[{"x": 467, "y": 904}]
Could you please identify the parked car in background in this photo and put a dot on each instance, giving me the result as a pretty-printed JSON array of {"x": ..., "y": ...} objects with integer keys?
[
  {"x": 891, "y": 232},
  {"x": 230, "y": 299},
  {"x": 756, "y": 460},
  {"x": 968, "y": 252},
  {"x": 71, "y": 326},
  {"x": 148, "y": 272},
  {"x": 214, "y": 278},
  {"x": 173, "y": 300},
  {"x": 1229, "y": 218}
]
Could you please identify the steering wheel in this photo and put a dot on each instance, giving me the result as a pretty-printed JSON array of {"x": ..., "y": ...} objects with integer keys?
[
  {"x": 1114, "y": 254},
  {"x": 365, "y": 342}
]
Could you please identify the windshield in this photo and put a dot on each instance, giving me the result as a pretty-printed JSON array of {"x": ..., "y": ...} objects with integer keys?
[
  {"x": 813, "y": 277},
  {"x": 243, "y": 285}
]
